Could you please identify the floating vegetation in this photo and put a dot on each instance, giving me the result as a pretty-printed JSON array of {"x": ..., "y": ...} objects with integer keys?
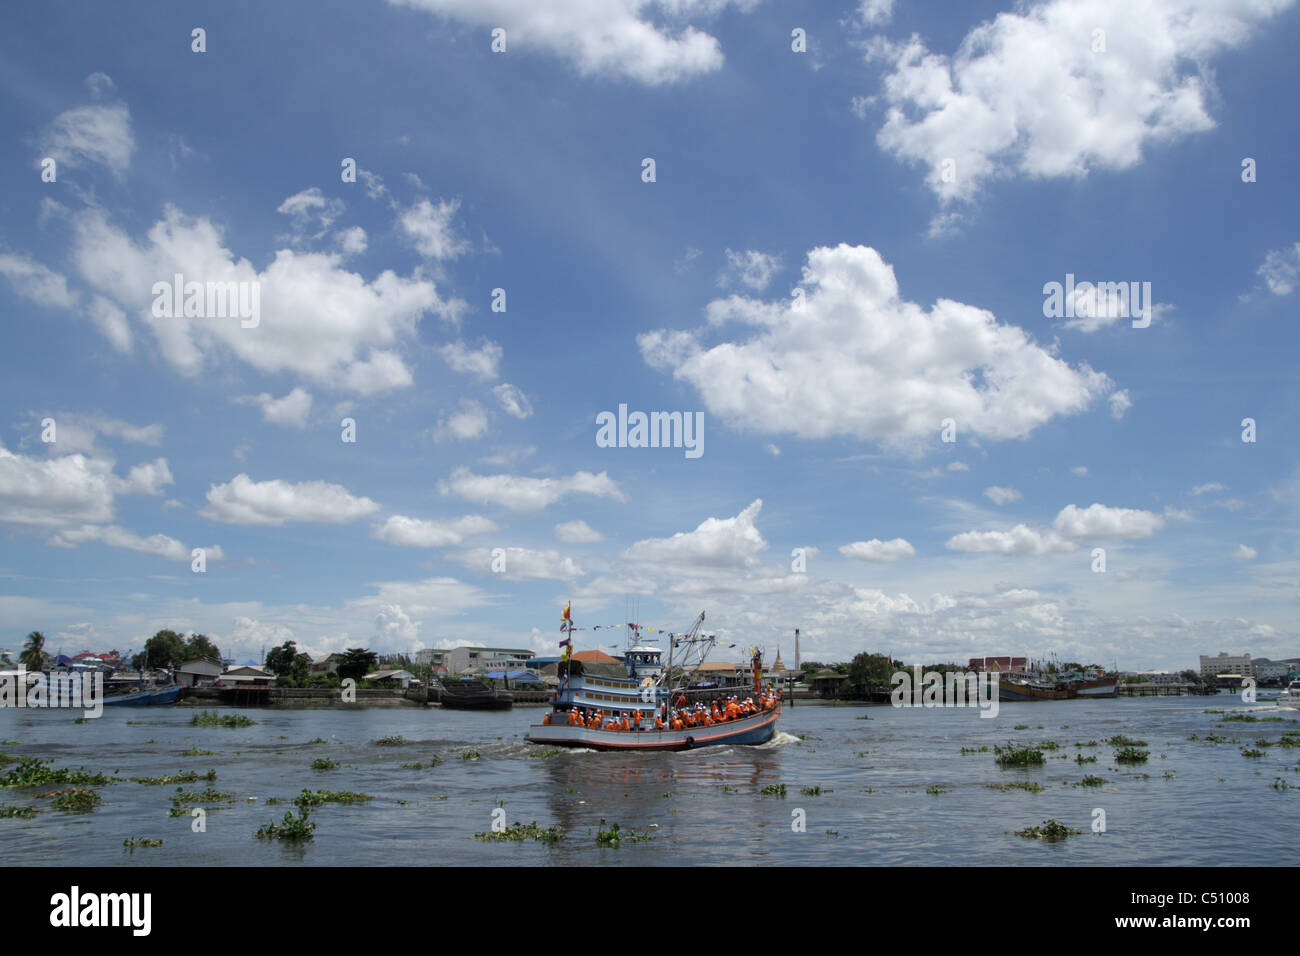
[
  {"x": 613, "y": 837},
  {"x": 1086, "y": 743},
  {"x": 198, "y": 752},
  {"x": 1091, "y": 781},
  {"x": 1278, "y": 784},
  {"x": 291, "y": 829},
  {"x": 33, "y": 772},
  {"x": 773, "y": 790},
  {"x": 525, "y": 831},
  {"x": 5, "y": 758},
  {"x": 864, "y": 717},
  {"x": 1119, "y": 740},
  {"x": 550, "y": 752},
  {"x": 1051, "y": 831},
  {"x": 22, "y": 813},
  {"x": 182, "y": 799},
  {"x": 470, "y": 755},
  {"x": 1131, "y": 755},
  {"x": 1029, "y": 785},
  {"x": 132, "y": 842},
  {"x": 1252, "y": 753},
  {"x": 1251, "y": 719},
  {"x": 934, "y": 789},
  {"x": 975, "y": 750},
  {"x": 186, "y": 776},
  {"x": 1049, "y": 745},
  {"x": 323, "y": 763},
  {"x": 317, "y": 740},
  {"x": 1081, "y": 759},
  {"x": 318, "y": 798},
  {"x": 868, "y": 790},
  {"x": 812, "y": 791},
  {"x": 393, "y": 741},
  {"x": 210, "y": 718},
  {"x": 1211, "y": 739},
  {"x": 1010, "y": 756},
  {"x": 1020, "y": 727},
  {"x": 75, "y": 800}
]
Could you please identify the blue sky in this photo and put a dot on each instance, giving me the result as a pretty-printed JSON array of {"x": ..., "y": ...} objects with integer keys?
[{"x": 841, "y": 248}]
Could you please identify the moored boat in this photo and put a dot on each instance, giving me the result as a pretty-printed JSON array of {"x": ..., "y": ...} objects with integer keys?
[
  {"x": 1291, "y": 696},
  {"x": 471, "y": 694},
  {"x": 146, "y": 697},
  {"x": 633, "y": 705}
]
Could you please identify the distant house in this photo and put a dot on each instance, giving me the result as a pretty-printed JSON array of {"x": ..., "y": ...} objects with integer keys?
[
  {"x": 250, "y": 675},
  {"x": 202, "y": 671},
  {"x": 392, "y": 678},
  {"x": 827, "y": 683},
  {"x": 721, "y": 673},
  {"x": 465, "y": 660},
  {"x": 326, "y": 665}
]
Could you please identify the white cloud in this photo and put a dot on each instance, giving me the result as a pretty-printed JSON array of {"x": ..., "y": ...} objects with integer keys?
[
  {"x": 859, "y": 361},
  {"x": 394, "y": 628},
  {"x": 244, "y": 501},
  {"x": 1080, "y": 471},
  {"x": 292, "y": 410},
  {"x": 147, "y": 479},
  {"x": 35, "y": 282},
  {"x": 647, "y": 41},
  {"x": 772, "y": 450},
  {"x": 521, "y": 564},
  {"x": 1001, "y": 496},
  {"x": 527, "y": 494},
  {"x": 1245, "y": 553},
  {"x": 467, "y": 422},
  {"x": 111, "y": 322},
  {"x": 419, "y": 533},
  {"x": 159, "y": 545},
  {"x": 1281, "y": 270},
  {"x": 312, "y": 209},
  {"x": 1210, "y": 487},
  {"x": 351, "y": 241},
  {"x": 481, "y": 363},
  {"x": 317, "y": 320},
  {"x": 751, "y": 268},
  {"x": 882, "y": 552},
  {"x": 875, "y": 13},
  {"x": 56, "y": 491},
  {"x": 577, "y": 532},
  {"x": 79, "y": 432},
  {"x": 1020, "y": 540},
  {"x": 1099, "y": 521},
  {"x": 431, "y": 230},
  {"x": 958, "y": 466},
  {"x": 1119, "y": 403},
  {"x": 97, "y": 134},
  {"x": 513, "y": 401},
  {"x": 716, "y": 542},
  {"x": 1025, "y": 93}
]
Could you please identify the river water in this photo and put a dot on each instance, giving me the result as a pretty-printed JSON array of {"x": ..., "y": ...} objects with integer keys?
[{"x": 1192, "y": 803}]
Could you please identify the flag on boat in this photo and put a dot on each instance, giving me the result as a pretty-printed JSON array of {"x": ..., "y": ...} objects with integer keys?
[{"x": 565, "y": 616}]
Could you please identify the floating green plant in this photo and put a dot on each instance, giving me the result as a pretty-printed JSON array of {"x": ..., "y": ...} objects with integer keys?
[
  {"x": 774, "y": 790},
  {"x": 1091, "y": 781},
  {"x": 1011, "y": 756},
  {"x": 76, "y": 800},
  {"x": 132, "y": 842},
  {"x": 33, "y": 772},
  {"x": 291, "y": 829},
  {"x": 186, "y": 776},
  {"x": 393, "y": 741},
  {"x": 1029, "y": 785},
  {"x": 323, "y": 763},
  {"x": 1119, "y": 740},
  {"x": 210, "y": 718},
  {"x": 1131, "y": 755},
  {"x": 519, "y": 832},
  {"x": 1051, "y": 831}
]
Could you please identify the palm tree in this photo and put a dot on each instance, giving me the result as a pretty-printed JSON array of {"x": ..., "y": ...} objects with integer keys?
[{"x": 33, "y": 655}]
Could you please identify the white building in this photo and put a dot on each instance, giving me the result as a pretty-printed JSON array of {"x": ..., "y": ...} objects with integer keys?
[
  {"x": 1227, "y": 663},
  {"x": 463, "y": 659}
]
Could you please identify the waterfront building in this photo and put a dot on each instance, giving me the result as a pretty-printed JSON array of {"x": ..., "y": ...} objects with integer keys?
[
  {"x": 1003, "y": 664},
  {"x": 248, "y": 675},
  {"x": 461, "y": 660},
  {"x": 1227, "y": 663},
  {"x": 199, "y": 672},
  {"x": 400, "y": 677}
]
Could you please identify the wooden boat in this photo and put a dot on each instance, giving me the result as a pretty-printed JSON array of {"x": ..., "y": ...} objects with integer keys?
[
  {"x": 470, "y": 694},
  {"x": 1022, "y": 687},
  {"x": 144, "y": 698},
  {"x": 632, "y": 706}
]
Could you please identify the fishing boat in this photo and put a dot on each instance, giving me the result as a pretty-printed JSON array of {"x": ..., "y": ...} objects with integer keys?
[
  {"x": 641, "y": 704},
  {"x": 145, "y": 697},
  {"x": 1291, "y": 696},
  {"x": 1014, "y": 687},
  {"x": 470, "y": 694}
]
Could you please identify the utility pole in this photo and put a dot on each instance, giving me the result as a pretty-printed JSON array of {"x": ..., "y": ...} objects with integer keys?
[{"x": 796, "y": 650}]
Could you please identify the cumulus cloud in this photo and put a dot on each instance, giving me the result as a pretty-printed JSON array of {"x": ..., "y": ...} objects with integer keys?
[
  {"x": 1281, "y": 270},
  {"x": 513, "y": 401},
  {"x": 317, "y": 320},
  {"x": 311, "y": 210},
  {"x": 91, "y": 134},
  {"x": 419, "y": 533},
  {"x": 291, "y": 410},
  {"x": 875, "y": 13},
  {"x": 36, "y": 283},
  {"x": 431, "y": 229},
  {"x": 56, "y": 491},
  {"x": 147, "y": 479},
  {"x": 1119, "y": 403},
  {"x": 158, "y": 545},
  {"x": 527, "y": 494},
  {"x": 245, "y": 501},
  {"x": 751, "y": 268},
  {"x": 1099, "y": 521},
  {"x": 716, "y": 542},
  {"x": 577, "y": 532},
  {"x": 1001, "y": 496},
  {"x": 857, "y": 360},
  {"x": 647, "y": 41},
  {"x": 881, "y": 552},
  {"x": 467, "y": 422},
  {"x": 1245, "y": 553},
  {"x": 481, "y": 362},
  {"x": 1029, "y": 94},
  {"x": 1020, "y": 540}
]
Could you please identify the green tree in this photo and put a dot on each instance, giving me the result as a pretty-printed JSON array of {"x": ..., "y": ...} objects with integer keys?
[
  {"x": 279, "y": 660},
  {"x": 199, "y": 645},
  {"x": 33, "y": 655},
  {"x": 868, "y": 669},
  {"x": 164, "y": 649},
  {"x": 357, "y": 662}
]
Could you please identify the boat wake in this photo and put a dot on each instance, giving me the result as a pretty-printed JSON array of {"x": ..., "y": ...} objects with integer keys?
[{"x": 779, "y": 739}]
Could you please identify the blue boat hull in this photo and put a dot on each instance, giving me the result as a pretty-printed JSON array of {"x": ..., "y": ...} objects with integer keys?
[{"x": 144, "y": 698}]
